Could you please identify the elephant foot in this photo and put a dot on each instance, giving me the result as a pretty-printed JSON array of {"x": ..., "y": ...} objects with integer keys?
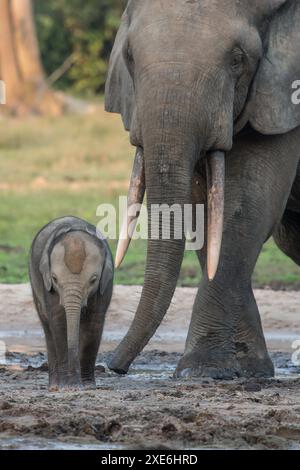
[
  {"x": 71, "y": 384},
  {"x": 89, "y": 385},
  {"x": 254, "y": 360},
  {"x": 253, "y": 366},
  {"x": 195, "y": 365},
  {"x": 71, "y": 388},
  {"x": 53, "y": 382}
]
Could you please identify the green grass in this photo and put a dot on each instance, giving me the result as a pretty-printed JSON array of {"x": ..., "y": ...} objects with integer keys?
[{"x": 55, "y": 167}]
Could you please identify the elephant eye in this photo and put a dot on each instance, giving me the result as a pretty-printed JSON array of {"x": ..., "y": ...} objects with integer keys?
[
  {"x": 128, "y": 56},
  {"x": 54, "y": 278},
  {"x": 237, "y": 61},
  {"x": 93, "y": 279}
]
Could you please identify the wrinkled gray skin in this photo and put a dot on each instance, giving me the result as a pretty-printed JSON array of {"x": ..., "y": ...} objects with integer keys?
[
  {"x": 71, "y": 273},
  {"x": 190, "y": 76}
]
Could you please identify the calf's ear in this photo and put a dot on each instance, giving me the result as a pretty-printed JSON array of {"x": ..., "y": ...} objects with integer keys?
[{"x": 44, "y": 267}]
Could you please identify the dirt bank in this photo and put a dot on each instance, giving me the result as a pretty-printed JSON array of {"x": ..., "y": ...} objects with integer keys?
[{"x": 147, "y": 407}]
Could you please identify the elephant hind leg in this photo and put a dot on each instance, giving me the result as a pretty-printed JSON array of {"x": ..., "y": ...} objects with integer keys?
[{"x": 287, "y": 235}]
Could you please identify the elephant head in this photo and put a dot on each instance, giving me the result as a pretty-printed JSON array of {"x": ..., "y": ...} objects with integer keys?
[
  {"x": 76, "y": 266},
  {"x": 186, "y": 76}
]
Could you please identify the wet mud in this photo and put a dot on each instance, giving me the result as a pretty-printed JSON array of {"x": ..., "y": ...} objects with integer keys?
[{"x": 148, "y": 408}]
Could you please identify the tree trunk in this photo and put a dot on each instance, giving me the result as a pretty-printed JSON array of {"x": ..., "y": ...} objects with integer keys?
[
  {"x": 20, "y": 63},
  {"x": 9, "y": 70}
]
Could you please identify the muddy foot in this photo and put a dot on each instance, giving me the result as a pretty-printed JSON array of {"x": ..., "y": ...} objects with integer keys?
[
  {"x": 71, "y": 388},
  {"x": 256, "y": 367},
  {"x": 89, "y": 385},
  {"x": 217, "y": 373},
  {"x": 189, "y": 367}
]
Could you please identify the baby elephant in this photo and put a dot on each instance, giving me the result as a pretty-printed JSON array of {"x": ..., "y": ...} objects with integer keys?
[{"x": 71, "y": 273}]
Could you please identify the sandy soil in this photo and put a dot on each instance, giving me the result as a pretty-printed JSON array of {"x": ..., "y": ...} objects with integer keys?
[{"x": 147, "y": 408}]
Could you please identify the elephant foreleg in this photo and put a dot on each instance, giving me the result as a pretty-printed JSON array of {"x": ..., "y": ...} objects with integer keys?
[
  {"x": 248, "y": 329},
  {"x": 225, "y": 337},
  {"x": 58, "y": 328},
  {"x": 52, "y": 359},
  {"x": 50, "y": 344},
  {"x": 91, "y": 327}
]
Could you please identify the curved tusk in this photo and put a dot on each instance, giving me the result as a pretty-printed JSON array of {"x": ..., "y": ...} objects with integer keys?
[
  {"x": 215, "y": 169},
  {"x": 135, "y": 196}
]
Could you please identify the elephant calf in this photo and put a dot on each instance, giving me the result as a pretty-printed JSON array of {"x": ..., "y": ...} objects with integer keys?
[{"x": 71, "y": 273}]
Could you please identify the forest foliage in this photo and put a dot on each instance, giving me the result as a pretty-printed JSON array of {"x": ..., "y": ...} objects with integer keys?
[{"x": 83, "y": 30}]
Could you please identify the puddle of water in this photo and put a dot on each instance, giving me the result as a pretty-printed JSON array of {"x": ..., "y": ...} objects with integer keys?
[
  {"x": 21, "y": 334},
  {"x": 287, "y": 372},
  {"x": 284, "y": 336},
  {"x": 23, "y": 360},
  {"x": 108, "y": 335},
  {"x": 151, "y": 365},
  {"x": 32, "y": 340},
  {"x": 21, "y": 443},
  {"x": 142, "y": 375},
  {"x": 34, "y": 443}
]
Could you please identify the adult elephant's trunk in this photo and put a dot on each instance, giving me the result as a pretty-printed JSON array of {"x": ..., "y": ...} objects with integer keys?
[
  {"x": 172, "y": 146},
  {"x": 72, "y": 304},
  {"x": 169, "y": 166}
]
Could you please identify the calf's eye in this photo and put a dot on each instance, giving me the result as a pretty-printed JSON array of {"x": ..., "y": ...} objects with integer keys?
[{"x": 93, "y": 280}]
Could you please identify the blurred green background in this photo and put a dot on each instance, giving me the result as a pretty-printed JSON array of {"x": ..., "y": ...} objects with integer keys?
[
  {"x": 83, "y": 29},
  {"x": 54, "y": 166},
  {"x": 69, "y": 165}
]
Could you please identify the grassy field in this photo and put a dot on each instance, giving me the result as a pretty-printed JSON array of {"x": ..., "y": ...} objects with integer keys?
[{"x": 54, "y": 167}]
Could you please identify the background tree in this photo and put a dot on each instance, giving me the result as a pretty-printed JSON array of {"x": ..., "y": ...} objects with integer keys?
[
  {"x": 67, "y": 41},
  {"x": 20, "y": 64},
  {"x": 83, "y": 30}
]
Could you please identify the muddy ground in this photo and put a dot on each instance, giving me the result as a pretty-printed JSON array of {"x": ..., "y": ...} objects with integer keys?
[{"x": 147, "y": 408}]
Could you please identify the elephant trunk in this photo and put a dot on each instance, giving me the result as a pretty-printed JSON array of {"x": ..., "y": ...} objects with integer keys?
[
  {"x": 172, "y": 143},
  {"x": 169, "y": 166},
  {"x": 72, "y": 305}
]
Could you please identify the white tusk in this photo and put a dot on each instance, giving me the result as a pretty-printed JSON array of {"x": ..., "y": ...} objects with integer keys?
[
  {"x": 215, "y": 168},
  {"x": 135, "y": 198}
]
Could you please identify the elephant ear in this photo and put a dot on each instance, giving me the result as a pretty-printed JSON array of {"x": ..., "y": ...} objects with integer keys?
[
  {"x": 44, "y": 267},
  {"x": 107, "y": 271},
  {"x": 119, "y": 90},
  {"x": 271, "y": 109}
]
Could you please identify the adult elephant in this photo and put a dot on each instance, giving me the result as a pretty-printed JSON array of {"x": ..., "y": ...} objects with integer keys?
[{"x": 200, "y": 82}]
